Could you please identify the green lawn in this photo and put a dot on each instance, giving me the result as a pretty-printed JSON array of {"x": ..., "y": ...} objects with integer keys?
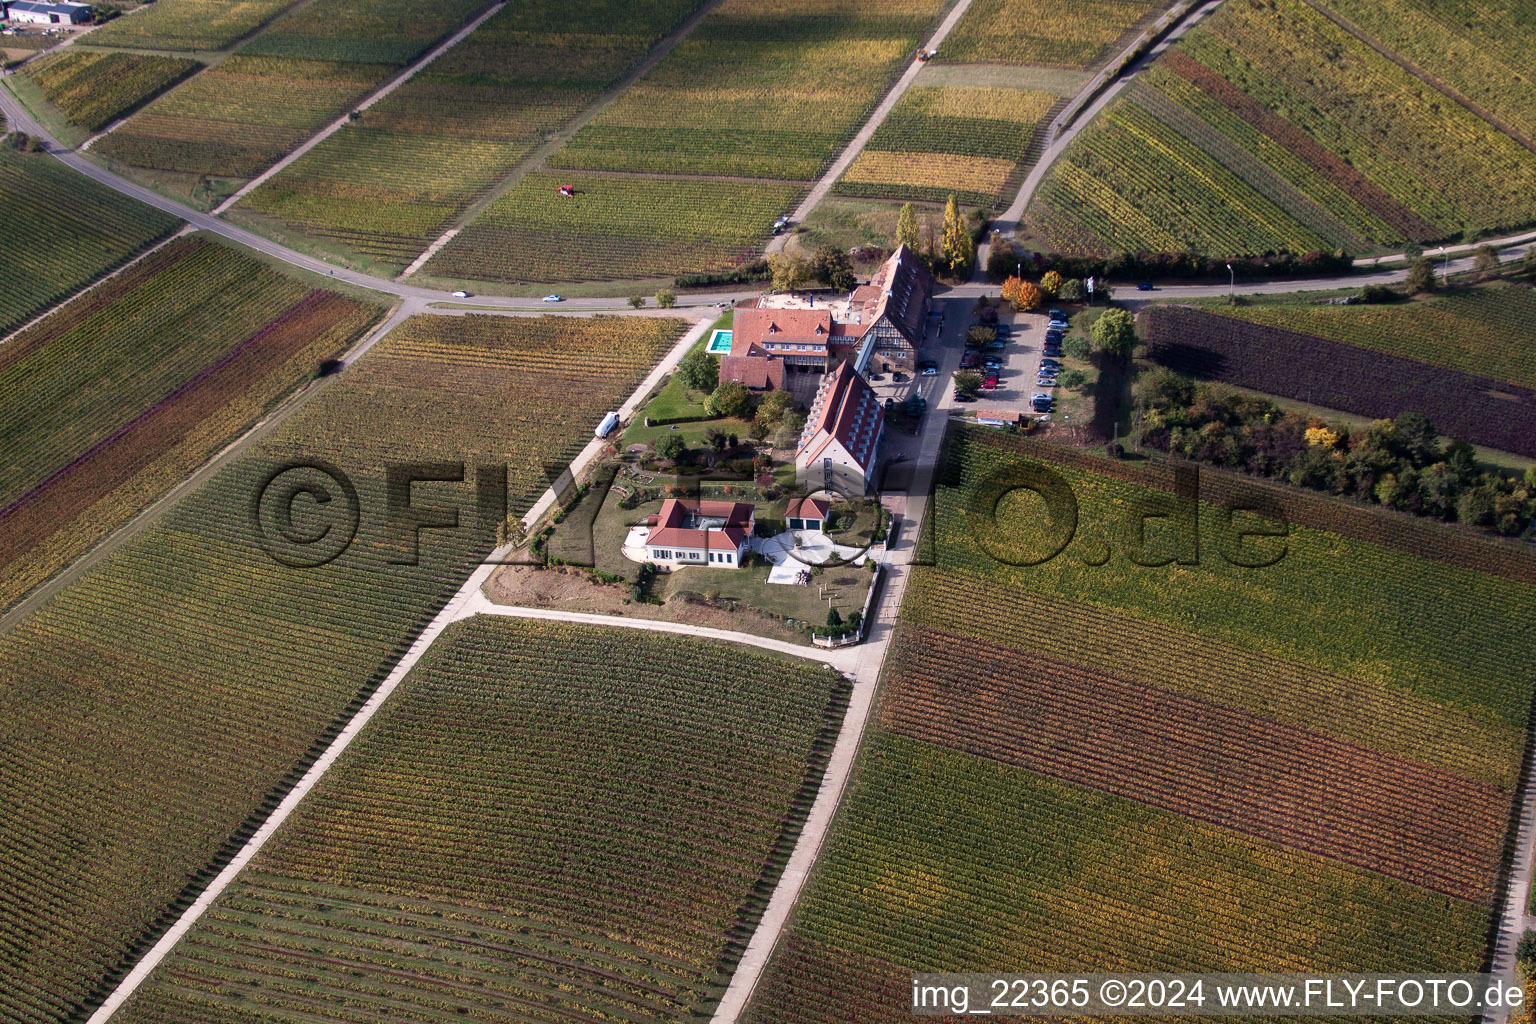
[{"x": 847, "y": 586}]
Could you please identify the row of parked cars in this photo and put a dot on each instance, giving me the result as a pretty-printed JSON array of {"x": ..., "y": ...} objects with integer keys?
[{"x": 1050, "y": 362}]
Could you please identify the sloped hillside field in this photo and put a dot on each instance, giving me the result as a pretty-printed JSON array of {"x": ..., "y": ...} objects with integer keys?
[
  {"x": 545, "y": 823},
  {"x": 1274, "y": 127},
  {"x": 1178, "y": 751},
  {"x": 60, "y": 232},
  {"x": 117, "y": 396},
  {"x": 161, "y": 704},
  {"x": 1351, "y": 379}
]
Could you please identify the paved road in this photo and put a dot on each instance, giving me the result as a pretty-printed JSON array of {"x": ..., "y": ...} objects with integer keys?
[
  {"x": 1513, "y": 918},
  {"x": 871, "y": 659},
  {"x": 341, "y": 122},
  {"x": 861, "y": 139},
  {"x": 1061, "y": 137}
]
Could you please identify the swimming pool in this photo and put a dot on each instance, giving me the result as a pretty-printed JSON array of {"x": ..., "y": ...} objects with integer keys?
[{"x": 719, "y": 343}]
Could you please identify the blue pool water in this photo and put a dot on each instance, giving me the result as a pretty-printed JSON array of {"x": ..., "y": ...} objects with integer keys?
[{"x": 719, "y": 342}]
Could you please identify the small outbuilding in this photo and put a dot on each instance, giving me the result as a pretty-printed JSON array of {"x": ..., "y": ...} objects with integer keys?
[
  {"x": 39, "y": 12},
  {"x": 807, "y": 514},
  {"x": 999, "y": 417}
]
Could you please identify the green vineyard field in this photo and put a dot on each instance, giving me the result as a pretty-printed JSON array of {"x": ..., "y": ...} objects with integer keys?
[
  {"x": 93, "y": 88},
  {"x": 1486, "y": 331},
  {"x": 1049, "y": 33},
  {"x": 144, "y": 745},
  {"x": 1094, "y": 764},
  {"x": 235, "y": 119},
  {"x": 546, "y": 822},
  {"x": 1270, "y": 128},
  {"x": 388, "y": 184},
  {"x": 118, "y": 395},
  {"x": 974, "y": 142},
  {"x": 615, "y": 228},
  {"x": 766, "y": 91},
  {"x": 189, "y": 24},
  {"x": 60, "y": 232}
]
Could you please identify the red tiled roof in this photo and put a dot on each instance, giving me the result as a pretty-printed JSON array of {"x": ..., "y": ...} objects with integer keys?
[
  {"x": 753, "y": 329},
  {"x": 904, "y": 287},
  {"x": 756, "y": 372},
  {"x": 728, "y": 539},
  {"x": 847, "y": 410},
  {"x": 808, "y": 508}
]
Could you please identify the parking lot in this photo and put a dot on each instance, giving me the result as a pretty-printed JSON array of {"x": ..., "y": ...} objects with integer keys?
[{"x": 1020, "y": 359}]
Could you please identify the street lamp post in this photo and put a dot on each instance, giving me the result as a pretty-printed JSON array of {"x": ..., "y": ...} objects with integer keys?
[{"x": 1232, "y": 285}]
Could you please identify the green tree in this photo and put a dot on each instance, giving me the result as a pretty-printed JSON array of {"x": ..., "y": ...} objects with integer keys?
[
  {"x": 968, "y": 383},
  {"x": 1072, "y": 290},
  {"x": 906, "y": 227},
  {"x": 636, "y": 301},
  {"x": 1485, "y": 261},
  {"x": 1421, "y": 276},
  {"x": 672, "y": 446},
  {"x": 771, "y": 410},
  {"x": 717, "y": 440},
  {"x": 729, "y": 399},
  {"x": 1114, "y": 333},
  {"x": 1475, "y": 507},
  {"x": 699, "y": 371},
  {"x": 833, "y": 618},
  {"x": 666, "y": 298},
  {"x": 791, "y": 271},
  {"x": 981, "y": 335},
  {"x": 832, "y": 265}
]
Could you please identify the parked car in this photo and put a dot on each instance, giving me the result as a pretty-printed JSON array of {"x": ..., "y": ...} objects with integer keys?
[
  {"x": 930, "y": 371},
  {"x": 970, "y": 361},
  {"x": 1055, "y": 314},
  {"x": 1049, "y": 363},
  {"x": 1040, "y": 403},
  {"x": 993, "y": 364},
  {"x": 963, "y": 398},
  {"x": 553, "y": 298},
  {"x": 928, "y": 364},
  {"x": 988, "y": 385},
  {"x": 1046, "y": 382}
]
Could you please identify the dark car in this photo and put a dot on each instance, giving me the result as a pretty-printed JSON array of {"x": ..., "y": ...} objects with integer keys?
[
  {"x": 1056, "y": 315},
  {"x": 957, "y": 396},
  {"x": 1145, "y": 286},
  {"x": 1050, "y": 364}
]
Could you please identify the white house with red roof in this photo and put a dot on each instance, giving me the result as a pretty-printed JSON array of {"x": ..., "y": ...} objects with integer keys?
[
  {"x": 840, "y": 445},
  {"x": 713, "y": 533}
]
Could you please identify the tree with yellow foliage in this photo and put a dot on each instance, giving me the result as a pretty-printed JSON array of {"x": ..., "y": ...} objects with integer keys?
[{"x": 1050, "y": 284}]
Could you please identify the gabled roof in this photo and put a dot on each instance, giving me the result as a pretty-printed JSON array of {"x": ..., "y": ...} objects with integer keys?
[
  {"x": 42, "y": 7},
  {"x": 670, "y": 529},
  {"x": 753, "y": 329},
  {"x": 847, "y": 411},
  {"x": 905, "y": 286},
  {"x": 757, "y": 372},
  {"x": 808, "y": 508}
]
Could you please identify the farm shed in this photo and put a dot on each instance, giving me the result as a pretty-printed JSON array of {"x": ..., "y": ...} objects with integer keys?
[{"x": 39, "y": 13}]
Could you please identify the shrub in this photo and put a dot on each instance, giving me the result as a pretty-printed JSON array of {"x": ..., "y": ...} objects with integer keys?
[
  {"x": 1071, "y": 290},
  {"x": 671, "y": 447},
  {"x": 636, "y": 301},
  {"x": 666, "y": 298}
]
